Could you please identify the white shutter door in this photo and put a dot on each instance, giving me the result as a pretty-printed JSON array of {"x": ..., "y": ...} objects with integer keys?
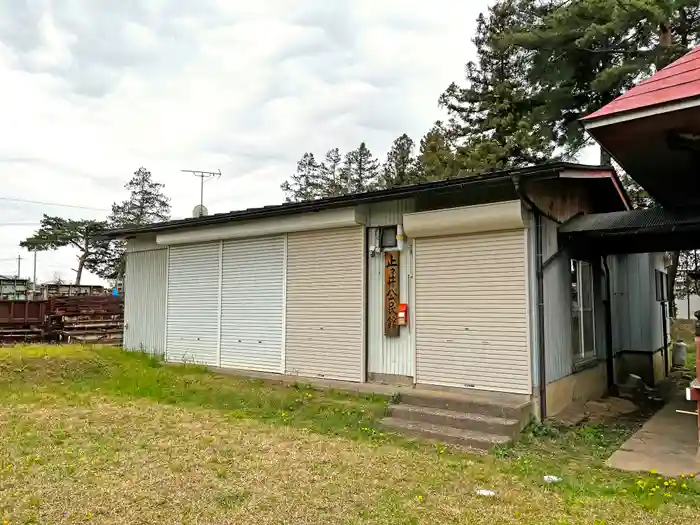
[
  {"x": 471, "y": 312},
  {"x": 325, "y": 304},
  {"x": 252, "y": 304},
  {"x": 193, "y": 303}
]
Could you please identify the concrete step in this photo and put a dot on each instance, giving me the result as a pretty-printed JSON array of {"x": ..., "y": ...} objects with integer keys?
[
  {"x": 466, "y": 439},
  {"x": 495, "y": 405},
  {"x": 460, "y": 420}
]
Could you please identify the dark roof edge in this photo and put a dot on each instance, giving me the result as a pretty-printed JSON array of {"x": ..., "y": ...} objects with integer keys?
[{"x": 351, "y": 199}]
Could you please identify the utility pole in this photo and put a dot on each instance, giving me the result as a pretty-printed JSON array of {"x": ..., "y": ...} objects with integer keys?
[
  {"x": 19, "y": 265},
  {"x": 203, "y": 175}
]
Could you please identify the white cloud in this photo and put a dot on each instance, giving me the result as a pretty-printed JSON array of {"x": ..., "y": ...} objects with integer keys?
[{"x": 94, "y": 89}]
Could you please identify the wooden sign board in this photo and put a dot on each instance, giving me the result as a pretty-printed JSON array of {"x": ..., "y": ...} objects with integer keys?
[{"x": 391, "y": 294}]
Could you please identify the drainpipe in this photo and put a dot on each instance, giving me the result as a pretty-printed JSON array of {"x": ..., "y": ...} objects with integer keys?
[
  {"x": 607, "y": 304},
  {"x": 542, "y": 360},
  {"x": 539, "y": 297}
]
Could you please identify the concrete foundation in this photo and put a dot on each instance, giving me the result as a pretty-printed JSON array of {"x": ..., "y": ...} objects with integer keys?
[{"x": 582, "y": 386}]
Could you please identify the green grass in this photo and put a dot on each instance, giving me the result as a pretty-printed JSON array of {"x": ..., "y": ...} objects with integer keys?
[{"x": 100, "y": 435}]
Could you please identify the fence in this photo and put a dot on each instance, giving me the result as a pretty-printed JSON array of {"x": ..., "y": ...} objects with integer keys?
[{"x": 83, "y": 319}]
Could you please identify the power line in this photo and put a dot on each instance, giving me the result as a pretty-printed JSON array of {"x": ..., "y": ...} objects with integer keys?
[{"x": 43, "y": 203}]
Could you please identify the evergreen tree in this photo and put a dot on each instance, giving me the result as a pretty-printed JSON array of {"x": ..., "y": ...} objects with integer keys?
[
  {"x": 360, "y": 170},
  {"x": 436, "y": 159},
  {"x": 146, "y": 204},
  {"x": 305, "y": 184},
  {"x": 331, "y": 184},
  {"x": 494, "y": 123},
  {"x": 82, "y": 235},
  {"x": 400, "y": 167},
  {"x": 582, "y": 55}
]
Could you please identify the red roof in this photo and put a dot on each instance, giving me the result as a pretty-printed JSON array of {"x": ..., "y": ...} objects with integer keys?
[{"x": 677, "y": 81}]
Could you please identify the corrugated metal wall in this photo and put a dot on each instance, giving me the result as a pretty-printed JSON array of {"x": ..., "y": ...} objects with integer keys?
[
  {"x": 387, "y": 355},
  {"x": 557, "y": 305},
  {"x": 252, "y": 304},
  {"x": 389, "y": 213},
  {"x": 325, "y": 316},
  {"x": 472, "y": 311},
  {"x": 637, "y": 315},
  {"x": 144, "y": 305},
  {"x": 192, "y": 329},
  {"x": 656, "y": 333}
]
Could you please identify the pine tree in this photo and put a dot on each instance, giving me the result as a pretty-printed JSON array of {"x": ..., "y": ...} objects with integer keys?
[
  {"x": 305, "y": 184},
  {"x": 436, "y": 159},
  {"x": 583, "y": 54},
  {"x": 82, "y": 235},
  {"x": 400, "y": 167},
  {"x": 360, "y": 170},
  {"x": 147, "y": 204},
  {"x": 331, "y": 184},
  {"x": 493, "y": 122}
]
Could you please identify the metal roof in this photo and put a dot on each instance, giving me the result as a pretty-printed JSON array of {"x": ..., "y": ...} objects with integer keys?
[
  {"x": 678, "y": 81},
  {"x": 549, "y": 169},
  {"x": 652, "y": 219}
]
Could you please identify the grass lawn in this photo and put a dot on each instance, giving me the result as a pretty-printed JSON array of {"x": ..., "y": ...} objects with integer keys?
[{"x": 96, "y": 435}]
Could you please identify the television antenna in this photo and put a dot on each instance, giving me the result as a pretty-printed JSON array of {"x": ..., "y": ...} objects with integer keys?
[{"x": 203, "y": 176}]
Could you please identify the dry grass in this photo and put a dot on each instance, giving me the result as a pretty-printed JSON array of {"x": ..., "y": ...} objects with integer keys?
[{"x": 77, "y": 449}]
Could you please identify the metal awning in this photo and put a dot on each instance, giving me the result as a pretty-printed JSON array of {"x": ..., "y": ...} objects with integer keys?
[{"x": 635, "y": 231}]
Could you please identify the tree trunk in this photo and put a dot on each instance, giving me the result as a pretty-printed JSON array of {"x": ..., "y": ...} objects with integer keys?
[
  {"x": 672, "y": 272},
  {"x": 79, "y": 271}
]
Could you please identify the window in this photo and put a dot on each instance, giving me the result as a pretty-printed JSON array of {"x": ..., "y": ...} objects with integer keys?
[
  {"x": 387, "y": 237},
  {"x": 582, "y": 317}
]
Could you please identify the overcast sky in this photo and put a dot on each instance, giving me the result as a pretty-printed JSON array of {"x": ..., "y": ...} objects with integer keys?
[{"x": 94, "y": 89}]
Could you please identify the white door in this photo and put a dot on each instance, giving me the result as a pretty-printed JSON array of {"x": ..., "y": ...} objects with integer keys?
[
  {"x": 193, "y": 304},
  {"x": 252, "y": 304},
  {"x": 325, "y": 304},
  {"x": 471, "y": 312},
  {"x": 144, "y": 302}
]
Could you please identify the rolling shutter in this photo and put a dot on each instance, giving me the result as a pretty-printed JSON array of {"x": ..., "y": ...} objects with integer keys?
[
  {"x": 193, "y": 303},
  {"x": 252, "y": 304},
  {"x": 325, "y": 304},
  {"x": 471, "y": 312}
]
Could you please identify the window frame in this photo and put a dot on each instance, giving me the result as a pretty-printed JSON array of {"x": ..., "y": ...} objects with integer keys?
[
  {"x": 578, "y": 308},
  {"x": 393, "y": 230}
]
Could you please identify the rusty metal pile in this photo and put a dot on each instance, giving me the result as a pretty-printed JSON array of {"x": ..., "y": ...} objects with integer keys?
[{"x": 70, "y": 319}]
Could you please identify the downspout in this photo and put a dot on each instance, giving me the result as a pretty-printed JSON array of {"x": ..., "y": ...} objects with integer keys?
[
  {"x": 539, "y": 298},
  {"x": 607, "y": 304},
  {"x": 542, "y": 359}
]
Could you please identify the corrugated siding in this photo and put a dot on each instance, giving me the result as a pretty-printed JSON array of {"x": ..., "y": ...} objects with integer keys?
[
  {"x": 557, "y": 306},
  {"x": 144, "y": 305},
  {"x": 633, "y": 298},
  {"x": 325, "y": 304},
  {"x": 389, "y": 213},
  {"x": 637, "y": 320},
  {"x": 252, "y": 306},
  {"x": 193, "y": 303},
  {"x": 656, "y": 331},
  {"x": 387, "y": 355},
  {"x": 472, "y": 312},
  {"x": 142, "y": 243}
]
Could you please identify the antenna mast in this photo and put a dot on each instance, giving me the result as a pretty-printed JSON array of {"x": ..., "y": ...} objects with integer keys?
[{"x": 203, "y": 175}]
